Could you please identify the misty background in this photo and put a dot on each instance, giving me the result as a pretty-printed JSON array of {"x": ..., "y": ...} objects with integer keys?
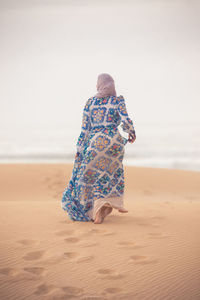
[{"x": 52, "y": 52}]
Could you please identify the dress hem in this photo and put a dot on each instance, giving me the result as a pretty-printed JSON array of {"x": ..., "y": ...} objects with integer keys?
[{"x": 114, "y": 202}]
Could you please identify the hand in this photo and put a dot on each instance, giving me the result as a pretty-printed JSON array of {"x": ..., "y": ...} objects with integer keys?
[{"x": 131, "y": 138}]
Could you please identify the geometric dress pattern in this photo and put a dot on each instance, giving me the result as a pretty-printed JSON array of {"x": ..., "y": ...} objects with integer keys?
[{"x": 98, "y": 174}]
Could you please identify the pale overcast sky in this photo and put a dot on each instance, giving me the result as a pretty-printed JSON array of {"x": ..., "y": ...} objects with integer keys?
[{"x": 52, "y": 52}]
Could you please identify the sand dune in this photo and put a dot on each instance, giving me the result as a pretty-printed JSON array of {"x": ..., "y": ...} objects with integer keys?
[{"x": 151, "y": 252}]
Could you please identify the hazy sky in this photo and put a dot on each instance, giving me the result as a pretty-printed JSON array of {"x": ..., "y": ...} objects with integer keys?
[{"x": 52, "y": 52}]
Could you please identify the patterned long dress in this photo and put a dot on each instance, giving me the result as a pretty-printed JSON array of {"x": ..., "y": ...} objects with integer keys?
[{"x": 98, "y": 173}]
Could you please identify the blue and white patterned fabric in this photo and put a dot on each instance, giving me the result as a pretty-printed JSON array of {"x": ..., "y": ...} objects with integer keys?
[{"x": 98, "y": 172}]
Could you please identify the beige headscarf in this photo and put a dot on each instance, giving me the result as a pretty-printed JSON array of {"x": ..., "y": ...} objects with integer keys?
[{"x": 105, "y": 86}]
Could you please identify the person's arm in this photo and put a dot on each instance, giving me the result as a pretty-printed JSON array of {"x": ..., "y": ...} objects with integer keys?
[
  {"x": 85, "y": 128},
  {"x": 127, "y": 123}
]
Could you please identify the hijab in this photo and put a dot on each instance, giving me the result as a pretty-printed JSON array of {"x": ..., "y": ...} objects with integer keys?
[{"x": 105, "y": 86}]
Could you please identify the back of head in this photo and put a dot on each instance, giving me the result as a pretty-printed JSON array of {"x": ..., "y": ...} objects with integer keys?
[{"x": 105, "y": 86}]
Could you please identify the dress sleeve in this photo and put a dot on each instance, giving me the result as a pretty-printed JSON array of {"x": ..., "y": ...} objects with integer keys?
[
  {"x": 127, "y": 123},
  {"x": 85, "y": 127}
]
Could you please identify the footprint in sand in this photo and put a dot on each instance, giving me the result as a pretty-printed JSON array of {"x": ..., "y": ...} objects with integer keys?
[
  {"x": 34, "y": 255},
  {"x": 85, "y": 259},
  {"x": 141, "y": 259},
  {"x": 72, "y": 240},
  {"x": 35, "y": 270},
  {"x": 57, "y": 295},
  {"x": 88, "y": 244},
  {"x": 129, "y": 244},
  {"x": 64, "y": 232},
  {"x": 66, "y": 256},
  {"x": 112, "y": 290},
  {"x": 44, "y": 289},
  {"x": 52, "y": 260},
  {"x": 15, "y": 275},
  {"x": 65, "y": 292},
  {"x": 109, "y": 274},
  {"x": 27, "y": 242},
  {"x": 8, "y": 271},
  {"x": 100, "y": 231},
  {"x": 157, "y": 235},
  {"x": 73, "y": 255},
  {"x": 72, "y": 290},
  {"x": 70, "y": 254}
]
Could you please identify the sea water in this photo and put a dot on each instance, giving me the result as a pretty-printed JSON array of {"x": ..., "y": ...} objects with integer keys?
[{"x": 170, "y": 145}]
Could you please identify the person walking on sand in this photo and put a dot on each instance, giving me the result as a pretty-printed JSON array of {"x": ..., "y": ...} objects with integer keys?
[{"x": 97, "y": 181}]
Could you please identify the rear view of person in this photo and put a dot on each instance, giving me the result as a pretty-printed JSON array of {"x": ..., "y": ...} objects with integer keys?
[{"x": 97, "y": 182}]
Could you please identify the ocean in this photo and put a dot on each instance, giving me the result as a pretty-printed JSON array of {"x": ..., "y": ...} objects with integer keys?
[{"x": 159, "y": 145}]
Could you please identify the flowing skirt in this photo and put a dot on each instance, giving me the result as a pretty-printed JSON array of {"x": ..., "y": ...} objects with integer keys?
[{"x": 98, "y": 175}]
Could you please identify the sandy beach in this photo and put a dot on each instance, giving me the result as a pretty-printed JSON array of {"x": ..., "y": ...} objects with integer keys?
[{"x": 152, "y": 252}]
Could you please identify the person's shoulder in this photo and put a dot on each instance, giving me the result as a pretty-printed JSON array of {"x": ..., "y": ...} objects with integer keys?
[
  {"x": 88, "y": 103},
  {"x": 90, "y": 99},
  {"x": 120, "y": 99}
]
